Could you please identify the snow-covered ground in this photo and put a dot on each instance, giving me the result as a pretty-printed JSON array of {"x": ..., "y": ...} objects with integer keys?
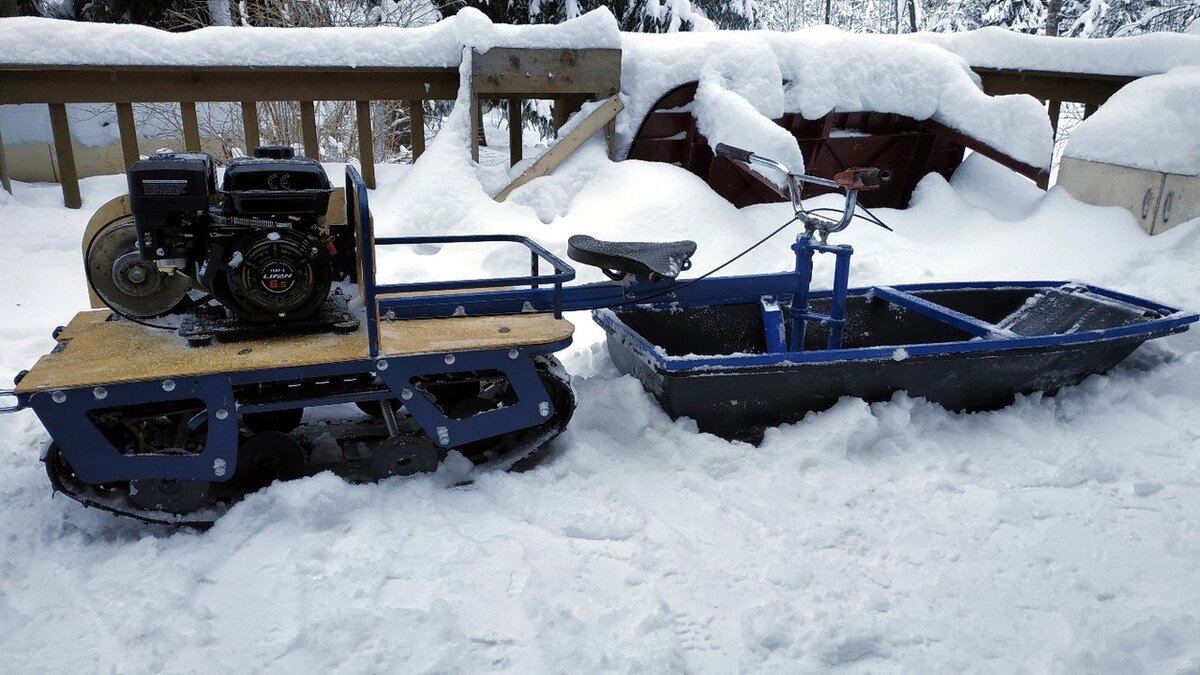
[{"x": 1056, "y": 535}]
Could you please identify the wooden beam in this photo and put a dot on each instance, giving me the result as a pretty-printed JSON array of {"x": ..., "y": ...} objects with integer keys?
[
  {"x": 366, "y": 142},
  {"x": 515, "y": 123},
  {"x": 1089, "y": 109},
  {"x": 308, "y": 130},
  {"x": 67, "y": 174},
  {"x": 129, "y": 140},
  {"x": 566, "y": 145},
  {"x": 1037, "y": 174},
  {"x": 416, "y": 123},
  {"x": 543, "y": 73},
  {"x": 5, "y": 182},
  {"x": 81, "y": 84},
  {"x": 1052, "y": 86},
  {"x": 191, "y": 126},
  {"x": 250, "y": 126}
]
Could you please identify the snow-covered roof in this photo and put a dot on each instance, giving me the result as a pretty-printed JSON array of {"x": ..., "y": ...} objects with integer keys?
[
  {"x": 1135, "y": 56},
  {"x": 812, "y": 72},
  {"x": 1149, "y": 124}
]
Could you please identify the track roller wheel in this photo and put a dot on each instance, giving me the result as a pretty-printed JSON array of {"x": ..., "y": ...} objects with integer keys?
[
  {"x": 283, "y": 421},
  {"x": 267, "y": 457},
  {"x": 171, "y": 496},
  {"x": 403, "y": 456}
]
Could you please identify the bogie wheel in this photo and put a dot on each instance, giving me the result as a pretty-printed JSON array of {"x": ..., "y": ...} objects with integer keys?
[
  {"x": 171, "y": 496},
  {"x": 283, "y": 421},
  {"x": 267, "y": 457},
  {"x": 403, "y": 456}
]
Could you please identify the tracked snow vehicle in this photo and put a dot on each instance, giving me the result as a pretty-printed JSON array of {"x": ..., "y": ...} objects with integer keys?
[{"x": 144, "y": 423}]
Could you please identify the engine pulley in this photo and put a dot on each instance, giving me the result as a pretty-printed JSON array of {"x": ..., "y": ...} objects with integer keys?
[{"x": 127, "y": 283}]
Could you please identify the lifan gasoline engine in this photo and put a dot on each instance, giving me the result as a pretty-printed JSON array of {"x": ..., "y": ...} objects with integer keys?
[{"x": 259, "y": 245}]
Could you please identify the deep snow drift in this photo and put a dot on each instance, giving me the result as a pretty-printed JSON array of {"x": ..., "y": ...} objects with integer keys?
[{"x": 1058, "y": 534}]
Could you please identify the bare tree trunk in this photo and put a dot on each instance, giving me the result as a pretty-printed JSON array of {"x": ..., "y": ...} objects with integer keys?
[
  {"x": 912, "y": 15},
  {"x": 827, "y": 11},
  {"x": 1052, "y": 11}
]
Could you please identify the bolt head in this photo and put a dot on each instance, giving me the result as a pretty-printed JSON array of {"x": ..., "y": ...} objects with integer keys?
[
  {"x": 449, "y": 359},
  {"x": 100, "y": 393},
  {"x": 168, "y": 385},
  {"x": 58, "y": 396},
  {"x": 221, "y": 413},
  {"x": 381, "y": 364}
]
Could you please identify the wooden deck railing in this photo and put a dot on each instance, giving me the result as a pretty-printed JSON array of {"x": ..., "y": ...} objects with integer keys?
[
  {"x": 124, "y": 86},
  {"x": 1054, "y": 88},
  {"x": 571, "y": 76}
]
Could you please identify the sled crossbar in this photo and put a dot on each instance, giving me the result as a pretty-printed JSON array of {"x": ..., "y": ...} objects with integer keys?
[{"x": 963, "y": 322}]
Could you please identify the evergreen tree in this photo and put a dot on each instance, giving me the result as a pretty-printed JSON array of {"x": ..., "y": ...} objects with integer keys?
[{"x": 1023, "y": 16}]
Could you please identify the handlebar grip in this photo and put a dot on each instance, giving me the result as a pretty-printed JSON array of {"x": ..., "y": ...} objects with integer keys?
[
  {"x": 733, "y": 152},
  {"x": 875, "y": 177}
]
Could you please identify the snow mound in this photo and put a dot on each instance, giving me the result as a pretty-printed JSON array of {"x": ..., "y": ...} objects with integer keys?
[
  {"x": 37, "y": 41},
  {"x": 1139, "y": 55},
  {"x": 1149, "y": 124}
]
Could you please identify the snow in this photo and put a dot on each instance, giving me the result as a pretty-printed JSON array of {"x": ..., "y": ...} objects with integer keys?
[
  {"x": 37, "y": 41},
  {"x": 1136, "y": 56},
  {"x": 1055, "y": 535},
  {"x": 894, "y": 536},
  {"x": 1149, "y": 124}
]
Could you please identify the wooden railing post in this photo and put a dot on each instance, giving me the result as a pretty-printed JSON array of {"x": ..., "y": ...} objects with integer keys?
[
  {"x": 129, "y": 140},
  {"x": 250, "y": 126},
  {"x": 308, "y": 130},
  {"x": 1054, "y": 110},
  {"x": 5, "y": 183},
  {"x": 191, "y": 126},
  {"x": 476, "y": 126},
  {"x": 67, "y": 173},
  {"x": 366, "y": 142},
  {"x": 514, "y": 131},
  {"x": 416, "y": 124}
]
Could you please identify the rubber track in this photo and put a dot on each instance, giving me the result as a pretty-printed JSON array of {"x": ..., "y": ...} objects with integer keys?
[{"x": 523, "y": 453}]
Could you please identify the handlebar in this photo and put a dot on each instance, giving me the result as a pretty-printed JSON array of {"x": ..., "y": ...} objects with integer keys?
[{"x": 852, "y": 180}]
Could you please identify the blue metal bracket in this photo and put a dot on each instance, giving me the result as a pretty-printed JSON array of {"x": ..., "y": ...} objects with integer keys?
[
  {"x": 774, "y": 328},
  {"x": 802, "y": 312},
  {"x": 64, "y": 413},
  {"x": 533, "y": 401}
]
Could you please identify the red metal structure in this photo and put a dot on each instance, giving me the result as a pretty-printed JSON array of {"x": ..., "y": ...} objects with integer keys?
[{"x": 909, "y": 148}]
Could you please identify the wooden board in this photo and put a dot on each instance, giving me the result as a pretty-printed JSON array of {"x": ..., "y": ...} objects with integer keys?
[
  {"x": 565, "y": 146},
  {"x": 100, "y": 352},
  {"x": 542, "y": 73},
  {"x": 134, "y": 84}
]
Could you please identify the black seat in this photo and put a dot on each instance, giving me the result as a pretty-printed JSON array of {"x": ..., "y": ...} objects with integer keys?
[{"x": 651, "y": 259}]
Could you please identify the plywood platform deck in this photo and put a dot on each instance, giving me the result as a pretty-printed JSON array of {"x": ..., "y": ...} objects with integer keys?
[{"x": 100, "y": 351}]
